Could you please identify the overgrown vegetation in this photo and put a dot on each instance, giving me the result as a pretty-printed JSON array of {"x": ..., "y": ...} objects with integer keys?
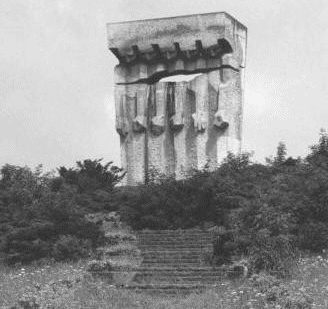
[
  {"x": 267, "y": 213},
  {"x": 43, "y": 216}
]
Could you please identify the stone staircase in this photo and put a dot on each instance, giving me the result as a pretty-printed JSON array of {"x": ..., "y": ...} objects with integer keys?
[{"x": 175, "y": 261}]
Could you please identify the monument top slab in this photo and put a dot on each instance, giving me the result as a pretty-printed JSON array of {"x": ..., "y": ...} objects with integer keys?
[{"x": 175, "y": 34}]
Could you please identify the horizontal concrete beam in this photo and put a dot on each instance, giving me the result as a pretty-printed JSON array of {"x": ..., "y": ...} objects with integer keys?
[{"x": 183, "y": 37}]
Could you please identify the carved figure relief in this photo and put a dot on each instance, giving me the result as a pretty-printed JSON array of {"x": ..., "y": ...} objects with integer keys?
[
  {"x": 200, "y": 121},
  {"x": 219, "y": 121},
  {"x": 122, "y": 125}
]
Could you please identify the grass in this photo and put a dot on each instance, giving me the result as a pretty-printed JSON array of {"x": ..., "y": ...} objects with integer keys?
[{"x": 68, "y": 285}]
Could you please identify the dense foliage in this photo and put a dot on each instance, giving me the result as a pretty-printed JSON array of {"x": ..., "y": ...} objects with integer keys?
[
  {"x": 43, "y": 216},
  {"x": 265, "y": 212}
]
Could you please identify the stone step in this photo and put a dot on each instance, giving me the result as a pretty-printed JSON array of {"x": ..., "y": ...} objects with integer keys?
[
  {"x": 172, "y": 282},
  {"x": 171, "y": 246},
  {"x": 175, "y": 255},
  {"x": 182, "y": 271},
  {"x": 186, "y": 234},
  {"x": 182, "y": 275},
  {"x": 162, "y": 234},
  {"x": 151, "y": 271},
  {"x": 159, "y": 260},
  {"x": 171, "y": 292},
  {"x": 169, "y": 280},
  {"x": 167, "y": 267},
  {"x": 175, "y": 265},
  {"x": 174, "y": 246},
  {"x": 181, "y": 236},
  {"x": 167, "y": 286},
  {"x": 166, "y": 240},
  {"x": 175, "y": 252},
  {"x": 171, "y": 242},
  {"x": 161, "y": 250},
  {"x": 190, "y": 230},
  {"x": 170, "y": 289},
  {"x": 175, "y": 280},
  {"x": 197, "y": 261},
  {"x": 185, "y": 237},
  {"x": 175, "y": 243},
  {"x": 175, "y": 232}
]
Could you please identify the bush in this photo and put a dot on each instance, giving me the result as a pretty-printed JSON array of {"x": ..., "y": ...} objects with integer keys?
[
  {"x": 313, "y": 236},
  {"x": 38, "y": 222},
  {"x": 69, "y": 247},
  {"x": 169, "y": 204},
  {"x": 274, "y": 254},
  {"x": 91, "y": 175}
]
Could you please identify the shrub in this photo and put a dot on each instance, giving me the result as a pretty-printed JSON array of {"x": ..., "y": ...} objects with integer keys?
[
  {"x": 38, "y": 222},
  {"x": 222, "y": 250},
  {"x": 274, "y": 254},
  {"x": 313, "y": 236},
  {"x": 319, "y": 152},
  {"x": 69, "y": 247},
  {"x": 203, "y": 196},
  {"x": 91, "y": 175}
]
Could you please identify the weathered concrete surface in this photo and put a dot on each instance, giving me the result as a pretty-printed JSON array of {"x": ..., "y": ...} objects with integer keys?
[
  {"x": 185, "y": 44},
  {"x": 177, "y": 126}
]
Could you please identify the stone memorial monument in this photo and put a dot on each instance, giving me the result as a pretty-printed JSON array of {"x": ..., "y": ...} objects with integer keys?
[{"x": 174, "y": 127}]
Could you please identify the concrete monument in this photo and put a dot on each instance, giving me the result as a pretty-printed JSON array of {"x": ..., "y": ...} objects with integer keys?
[{"x": 174, "y": 127}]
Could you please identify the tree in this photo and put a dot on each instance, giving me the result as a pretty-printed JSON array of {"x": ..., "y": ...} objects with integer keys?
[
  {"x": 280, "y": 156},
  {"x": 38, "y": 222},
  {"x": 91, "y": 175},
  {"x": 319, "y": 152}
]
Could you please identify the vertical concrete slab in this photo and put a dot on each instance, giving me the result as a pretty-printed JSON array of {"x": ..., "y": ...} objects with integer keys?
[
  {"x": 213, "y": 132},
  {"x": 133, "y": 145},
  {"x": 157, "y": 109},
  {"x": 230, "y": 109},
  {"x": 201, "y": 117},
  {"x": 184, "y": 132}
]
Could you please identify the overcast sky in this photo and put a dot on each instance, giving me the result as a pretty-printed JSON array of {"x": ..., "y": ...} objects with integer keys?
[{"x": 56, "y": 78}]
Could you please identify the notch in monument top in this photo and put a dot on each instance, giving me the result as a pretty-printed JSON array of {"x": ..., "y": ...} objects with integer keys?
[
  {"x": 133, "y": 56},
  {"x": 136, "y": 51},
  {"x": 199, "y": 46},
  {"x": 116, "y": 52},
  {"x": 179, "y": 52},
  {"x": 224, "y": 46},
  {"x": 177, "y": 48},
  {"x": 157, "y": 50}
]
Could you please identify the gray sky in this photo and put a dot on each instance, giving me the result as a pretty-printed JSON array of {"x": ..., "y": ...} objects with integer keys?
[{"x": 56, "y": 78}]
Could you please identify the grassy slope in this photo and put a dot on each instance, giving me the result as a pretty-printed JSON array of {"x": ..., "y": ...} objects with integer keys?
[{"x": 69, "y": 286}]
